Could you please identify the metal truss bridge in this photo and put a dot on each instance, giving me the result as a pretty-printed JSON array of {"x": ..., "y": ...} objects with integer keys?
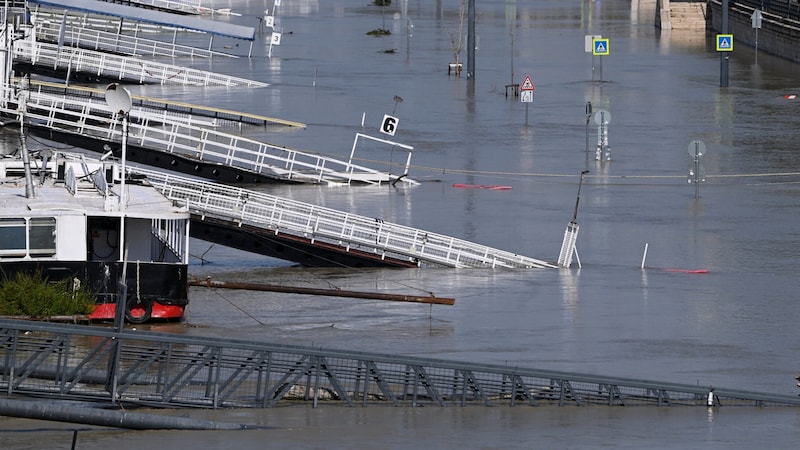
[
  {"x": 77, "y": 362},
  {"x": 277, "y": 224}
]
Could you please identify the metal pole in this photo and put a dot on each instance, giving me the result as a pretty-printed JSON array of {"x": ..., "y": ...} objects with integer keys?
[
  {"x": 578, "y": 198},
  {"x": 723, "y": 56},
  {"x": 588, "y": 118},
  {"x": 696, "y": 170},
  {"x": 471, "y": 40}
]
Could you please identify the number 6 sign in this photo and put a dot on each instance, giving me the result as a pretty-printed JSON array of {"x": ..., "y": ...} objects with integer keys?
[{"x": 389, "y": 125}]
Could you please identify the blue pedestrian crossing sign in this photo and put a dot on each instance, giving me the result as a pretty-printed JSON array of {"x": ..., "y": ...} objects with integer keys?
[
  {"x": 724, "y": 42},
  {"x": 600, "y": 47}
]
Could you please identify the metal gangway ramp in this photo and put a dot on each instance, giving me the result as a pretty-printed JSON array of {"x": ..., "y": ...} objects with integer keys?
[
  {"x": 328, "y": 228},
  {"x": 202, "y": 150},
  {"x": 152, "y": 16},
  {"x": 126, "y": 367},
  {"x": 52, "y": 31},
  {"x": 55, "y": 58}
]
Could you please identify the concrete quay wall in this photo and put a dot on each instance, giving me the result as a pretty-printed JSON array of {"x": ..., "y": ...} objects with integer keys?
[{"x": 778, "y": 36}]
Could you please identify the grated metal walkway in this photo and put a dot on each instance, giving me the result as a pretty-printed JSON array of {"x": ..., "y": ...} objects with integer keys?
[
  {"x": 76, "y": 362},
  {"x": 328, "y": 228}
]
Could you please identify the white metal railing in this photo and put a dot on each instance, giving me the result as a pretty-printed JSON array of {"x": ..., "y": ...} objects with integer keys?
[
  {"x": 105, "y": 41},
  {"x": 189, "y": 7},
  {"x": 103, "y": 22},
  {"x": 350, "y": 231},
  {"x": 120, "y": 67},
  {"x": 174, "y": 236},
  {"x": 86, "y": 117}
]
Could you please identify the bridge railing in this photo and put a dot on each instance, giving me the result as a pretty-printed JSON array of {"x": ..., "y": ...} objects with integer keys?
[
  {"x": 351, "y": 231},
  {"x": 168, "y": 370}
]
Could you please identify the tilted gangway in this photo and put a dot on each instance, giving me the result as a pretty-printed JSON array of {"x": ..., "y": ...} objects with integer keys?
[
  {"x": 54, "y": 58},
  {"x": 50, "y": 30},
  {"x": 328, "y": 228},
  {"x": 158, "y": 15},
  {"x": 178, "y": 145}
]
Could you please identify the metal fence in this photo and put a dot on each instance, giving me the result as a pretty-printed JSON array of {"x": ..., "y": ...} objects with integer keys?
[
  {"x": 165, "y": 370},
  {"x": 785, "y": 9}
]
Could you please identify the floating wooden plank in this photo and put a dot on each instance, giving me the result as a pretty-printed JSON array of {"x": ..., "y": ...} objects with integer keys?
[{"x": 327, "y": 292}]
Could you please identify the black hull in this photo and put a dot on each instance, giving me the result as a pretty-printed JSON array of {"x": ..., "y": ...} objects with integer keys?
[
  {"x": 151, "y": 282},
  {"x": 287, "y": 247}
]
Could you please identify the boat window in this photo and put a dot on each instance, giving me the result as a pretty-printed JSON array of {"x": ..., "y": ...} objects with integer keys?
[
  {"x": 43, "y": 236},
  {"x": 12, "y": 238}
]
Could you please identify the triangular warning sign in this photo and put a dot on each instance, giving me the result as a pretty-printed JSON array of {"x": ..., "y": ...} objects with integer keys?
[{"x": 527, "y": 85}]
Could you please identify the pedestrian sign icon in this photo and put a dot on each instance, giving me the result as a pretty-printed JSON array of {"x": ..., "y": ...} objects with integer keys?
[
  {"x": 527, "y": 85},
  {"x": 600, "y": 47},
  {"x": 724, "y": 42}
]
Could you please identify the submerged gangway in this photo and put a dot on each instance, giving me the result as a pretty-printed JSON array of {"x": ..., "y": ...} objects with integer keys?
[
  {"x": 79, "y": 117},
  {"x": 156, "y": 109},
  {"x": 329, "y": 228},
  {"x": 53, "y": 57},
  {"x": 127, "y": 367},
  {"x": 115, "y": 42}
]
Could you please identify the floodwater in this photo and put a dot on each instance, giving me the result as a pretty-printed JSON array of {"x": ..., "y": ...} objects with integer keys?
[{"x": 734, "y": 326}]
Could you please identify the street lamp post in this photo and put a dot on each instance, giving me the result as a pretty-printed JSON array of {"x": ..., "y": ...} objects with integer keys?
[{"x": 119, "y": 100}]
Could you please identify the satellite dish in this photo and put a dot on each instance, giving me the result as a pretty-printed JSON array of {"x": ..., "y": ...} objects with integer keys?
[{"x": 118, "y": 99}]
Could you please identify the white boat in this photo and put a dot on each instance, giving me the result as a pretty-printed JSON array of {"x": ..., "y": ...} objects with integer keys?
[{"x": 64, "y": 218}]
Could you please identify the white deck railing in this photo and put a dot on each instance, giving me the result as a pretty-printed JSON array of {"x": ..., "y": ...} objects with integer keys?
[
  {"x": 120, "y": 67},
  {"x": 90, "y": 117},
  {"x": 105, "y": 41},
  {"x": 324, "y": 225}
]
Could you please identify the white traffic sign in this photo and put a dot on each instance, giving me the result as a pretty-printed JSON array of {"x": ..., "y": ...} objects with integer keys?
[
  {"x": 756, "y": 18},
  {"x": 527, "y": 85},
  {"x": 526, "y": 96},
  {"x": 389, "y": 125},
  {"x": 697, "y": 148},
  {"x": 587, "y": 43},
  {"x": 602, "y": 117}
]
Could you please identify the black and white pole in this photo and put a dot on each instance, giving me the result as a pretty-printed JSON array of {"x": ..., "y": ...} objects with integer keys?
[
  {"x": 603, "y": 151},
  {"x": 588, "y": 119},
  {"x": 696, "y": 171},
  {"x": 568, "y": 248}
]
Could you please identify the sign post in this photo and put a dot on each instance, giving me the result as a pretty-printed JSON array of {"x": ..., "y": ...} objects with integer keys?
[
  {"x": 588, "y": 47},
  {"x": 756, "y": 21},
  {"x": 600, "y": 48},
  {"x": 526, "y": 94}
]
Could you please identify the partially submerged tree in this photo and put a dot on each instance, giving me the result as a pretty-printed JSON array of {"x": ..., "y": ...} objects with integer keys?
[{"x": 457, "y": 38}]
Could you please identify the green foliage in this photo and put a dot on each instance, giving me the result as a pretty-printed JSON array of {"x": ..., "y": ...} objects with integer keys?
[
  {"x": 35, "y": 296},
  {"x": 383, "y": 2}
]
